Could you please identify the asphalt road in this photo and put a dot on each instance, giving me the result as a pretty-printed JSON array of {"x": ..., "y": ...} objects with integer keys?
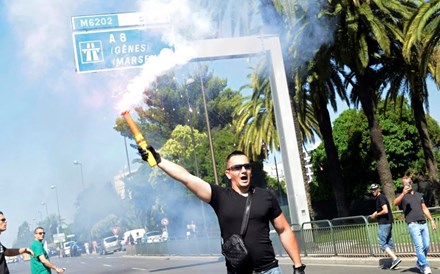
[{"x": 119, "y": 263}]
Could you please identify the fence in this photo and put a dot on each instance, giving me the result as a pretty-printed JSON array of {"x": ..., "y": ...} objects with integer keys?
[{"x": 352, "y": 236}]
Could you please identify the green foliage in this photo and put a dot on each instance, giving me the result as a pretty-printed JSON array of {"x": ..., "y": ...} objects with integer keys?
[{"x": 351, "y": 136}]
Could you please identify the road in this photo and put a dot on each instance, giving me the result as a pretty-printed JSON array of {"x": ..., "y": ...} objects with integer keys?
[{"x": 118, "y": 263}]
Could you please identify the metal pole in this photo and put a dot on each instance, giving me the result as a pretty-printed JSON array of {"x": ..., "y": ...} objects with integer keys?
[
  {"x": 58, "y": 206},
  {"x": 211, "y": 147},
  {"x": 194, "y": 149},
  {"x": 126, "y": 154},
  {"x": 47, "y": 211},
  {"x": 78, "y": 163}
]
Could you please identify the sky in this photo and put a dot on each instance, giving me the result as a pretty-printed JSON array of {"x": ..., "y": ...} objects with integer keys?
[{"x": 53, "y": 116}]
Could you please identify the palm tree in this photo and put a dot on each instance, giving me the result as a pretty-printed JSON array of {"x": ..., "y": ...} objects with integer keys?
[
  {"x": 319, "y": 84},
  {"x": 365, "y": 35},
  {"x": 255, "y": 119},
  {"x": 422, "y": 34}
]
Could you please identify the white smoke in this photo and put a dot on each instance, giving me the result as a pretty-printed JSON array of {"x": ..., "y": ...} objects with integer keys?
[{"x": 186, "y": 22}]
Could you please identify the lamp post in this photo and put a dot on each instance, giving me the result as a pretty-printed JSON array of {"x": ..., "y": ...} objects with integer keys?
[
  {"x": 47, "y": 211},
  {"x": 77, "y": 163},
  {"x": 58, "y": 206},
  {"x": 208, "y": 127},
  {"x": 191, "y": 126}
]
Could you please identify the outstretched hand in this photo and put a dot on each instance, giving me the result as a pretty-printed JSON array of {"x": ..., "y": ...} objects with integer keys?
[{"x": 144, "y": 153}]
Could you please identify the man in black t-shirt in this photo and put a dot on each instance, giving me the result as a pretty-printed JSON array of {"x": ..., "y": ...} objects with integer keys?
[
  {"x": 415, "y": 210},
  {"x": 229, "y": 204},
  {"x": 9, "y": 251},
  {"x": 384, "y": 218}
]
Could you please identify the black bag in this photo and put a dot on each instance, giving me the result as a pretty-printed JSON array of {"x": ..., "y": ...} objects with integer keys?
[
  {"x": 235, "y": 251},
  {"x": 234, "y": 248}
]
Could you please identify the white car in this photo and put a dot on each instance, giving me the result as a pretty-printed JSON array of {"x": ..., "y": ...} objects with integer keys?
[
  {"x": 154, "y": 237},
  {"x": 66, "y": 248}
]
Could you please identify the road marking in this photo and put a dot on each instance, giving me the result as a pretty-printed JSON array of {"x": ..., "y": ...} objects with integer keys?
[
  {"x": 107, "y": 265},
  {"x": 141, "y": 269}
]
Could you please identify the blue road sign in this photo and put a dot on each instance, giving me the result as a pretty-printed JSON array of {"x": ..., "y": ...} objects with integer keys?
[{"x": 116, "y": 49}]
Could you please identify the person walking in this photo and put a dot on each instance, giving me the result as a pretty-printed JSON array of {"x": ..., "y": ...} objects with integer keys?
[
  {"x": 40, "y": 263},
  {"x": 229, "y": 204},
  {"x": 384, "y": 217},
  {"x": 8, "y": 251},
  {"x": 415, "y": 210}
]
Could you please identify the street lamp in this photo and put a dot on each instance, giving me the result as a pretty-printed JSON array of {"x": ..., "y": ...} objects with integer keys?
[
  {"x": 81, "y": 167},
  {"x": 191, "y": 126},
  {"x": 191, "y": 113},
  {"x": 58, "y": 206},
  {"x": 208, "y": 127},
  {"x": 47, "y": 211}
]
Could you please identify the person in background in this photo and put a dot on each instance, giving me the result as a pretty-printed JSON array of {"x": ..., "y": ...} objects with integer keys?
[
  {"x": 8, "y": 251},
  {"x": 384, "y": 217},
  {"x": 229, "y": 204},
  {"x": 415, "y": 210},
  {"x": 40, "y": 263}
]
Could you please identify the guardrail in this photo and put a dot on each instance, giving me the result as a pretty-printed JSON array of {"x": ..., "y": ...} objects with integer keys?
[{"x": 351, "y": 236}]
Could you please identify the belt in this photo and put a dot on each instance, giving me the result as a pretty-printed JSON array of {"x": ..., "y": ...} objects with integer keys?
[{"x": 418, "y": 222}]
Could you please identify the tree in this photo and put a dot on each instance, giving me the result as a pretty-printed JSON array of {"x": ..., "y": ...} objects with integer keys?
[
  {"x": 25, "y": 235},
  {"x": 357, "y": 159},
  {"x": 364, "y": 38},
  {"x": 420, "y": 49}
]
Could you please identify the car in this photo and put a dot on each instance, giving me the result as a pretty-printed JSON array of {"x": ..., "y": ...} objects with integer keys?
[
  {"x": 153, "y": 237},
  {"x": 110, "y": 245},
  {"x": 67, "y": 248},
  {"x": 13, "y": 259}
]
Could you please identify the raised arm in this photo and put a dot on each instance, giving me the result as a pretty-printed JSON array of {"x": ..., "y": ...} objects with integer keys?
[{"x": 196, "y": 185}]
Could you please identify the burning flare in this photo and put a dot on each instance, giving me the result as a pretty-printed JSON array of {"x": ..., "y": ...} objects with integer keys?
[{"x": 138, "y": 136}]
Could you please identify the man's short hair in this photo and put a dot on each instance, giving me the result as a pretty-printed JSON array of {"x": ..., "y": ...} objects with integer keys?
[
  {"x": 38, "y": 227},
  {"x": 235, "y": 153}
]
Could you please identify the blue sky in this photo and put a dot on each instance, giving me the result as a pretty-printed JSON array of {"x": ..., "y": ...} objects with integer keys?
[{"x": 53, "y": 116}]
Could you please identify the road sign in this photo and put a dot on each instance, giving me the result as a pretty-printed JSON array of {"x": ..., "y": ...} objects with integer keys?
[
  {"x": 116, "y": 49},
  {"x": 117, "y": 20},
  {"x": 59, "y": 238},
  {"x": 164, "y": 221}
]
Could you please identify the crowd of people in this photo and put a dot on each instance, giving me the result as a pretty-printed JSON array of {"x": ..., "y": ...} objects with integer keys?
[{"x": 229, "y": 203}]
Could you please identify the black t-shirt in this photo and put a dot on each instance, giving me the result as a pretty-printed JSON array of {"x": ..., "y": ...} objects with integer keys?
[
  {"x": 3, "y": 266},
  {"x": 383, "y": 219},
  {"x": 229, "y": 207},
  {"x": 412, "y": 207}
]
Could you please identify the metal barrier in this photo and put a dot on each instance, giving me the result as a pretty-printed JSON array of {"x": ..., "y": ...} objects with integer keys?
[
  {"x": 351, "y": 236},
  {"x": 355, "y": 236}
]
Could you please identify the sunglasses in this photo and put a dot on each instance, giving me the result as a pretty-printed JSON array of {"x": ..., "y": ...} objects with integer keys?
[
  {"x": 239, "y": 167},
  {"x": 41, "y": 233},
  {"x": 3, "y": 219}
]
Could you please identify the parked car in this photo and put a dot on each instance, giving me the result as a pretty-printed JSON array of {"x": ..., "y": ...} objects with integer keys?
[
  {"x": 110, "y": 245},
  {"x": 153, "y": 237},
  {"x": 67, "y": 247},
  {"x": 135, "y": 234},
  {"x": 13, "y": 259}
]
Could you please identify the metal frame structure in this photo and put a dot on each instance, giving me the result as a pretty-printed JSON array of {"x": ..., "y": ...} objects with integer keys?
[{"x": 227, "y": 48}]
